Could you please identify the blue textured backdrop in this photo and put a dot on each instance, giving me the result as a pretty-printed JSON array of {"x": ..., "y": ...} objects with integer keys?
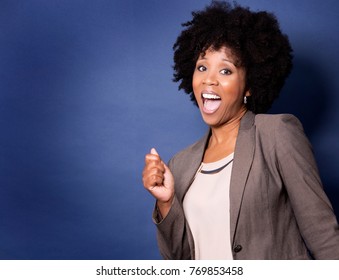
[{"x": 86, "y": 91}]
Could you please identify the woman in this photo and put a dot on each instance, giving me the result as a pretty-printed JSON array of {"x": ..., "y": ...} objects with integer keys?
[{"x": 249, "y": 189}]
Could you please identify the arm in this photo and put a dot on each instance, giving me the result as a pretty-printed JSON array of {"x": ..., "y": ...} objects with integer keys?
[
  {"x": 311, "y": 206},
  {"x": 168, "y": 214},
  {"x": 171, "y": 233}
]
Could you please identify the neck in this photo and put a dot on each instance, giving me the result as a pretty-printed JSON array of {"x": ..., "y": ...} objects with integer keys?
[{"x": 227, "y": 131}]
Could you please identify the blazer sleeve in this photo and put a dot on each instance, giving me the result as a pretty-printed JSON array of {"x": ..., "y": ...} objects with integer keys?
[
  {"x": 172, "y": 233},
  {"x": 312, "y": 208}
]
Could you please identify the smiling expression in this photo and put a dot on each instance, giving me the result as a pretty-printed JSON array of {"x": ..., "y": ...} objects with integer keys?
[{"x": 219, "y": 86}]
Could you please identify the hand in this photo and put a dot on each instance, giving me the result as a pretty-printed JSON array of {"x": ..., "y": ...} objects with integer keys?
[{"x": 158, "y": 180}]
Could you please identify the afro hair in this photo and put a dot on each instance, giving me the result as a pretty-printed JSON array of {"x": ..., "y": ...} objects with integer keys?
[{"x": 254, "y": 38}]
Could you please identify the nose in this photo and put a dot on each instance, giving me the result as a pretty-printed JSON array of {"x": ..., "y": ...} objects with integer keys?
[{"x": 210, "y": 80}]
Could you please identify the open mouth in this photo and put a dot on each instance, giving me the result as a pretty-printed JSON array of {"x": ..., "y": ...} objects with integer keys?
[{"x": 211, "y": 102}]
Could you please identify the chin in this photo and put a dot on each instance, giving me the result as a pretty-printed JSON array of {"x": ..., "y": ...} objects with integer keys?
[{"x": 211, "y": 121}]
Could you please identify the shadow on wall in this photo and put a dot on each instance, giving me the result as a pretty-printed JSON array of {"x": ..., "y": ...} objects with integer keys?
[
  {"x": 306, "y": 95},
  {"x": 333, "y": 194}
]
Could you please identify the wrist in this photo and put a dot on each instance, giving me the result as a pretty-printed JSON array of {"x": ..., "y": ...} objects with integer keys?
[
  {"x": 164, "y": 207},
  {"x": 165, "y": 203}
]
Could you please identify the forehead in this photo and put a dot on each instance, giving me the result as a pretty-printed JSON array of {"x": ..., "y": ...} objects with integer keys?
[{"x": 223, "y": 51}]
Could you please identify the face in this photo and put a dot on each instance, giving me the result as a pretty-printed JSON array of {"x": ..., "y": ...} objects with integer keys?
[{"x": 219, "y": 87}]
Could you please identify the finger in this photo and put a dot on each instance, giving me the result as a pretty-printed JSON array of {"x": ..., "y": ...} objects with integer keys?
[
  {"x": 157, "y": 180},
  {"x": 154, "y": 165},
  {"x": 153, "y": 180},
  {"x": 150, "y": 158},
  {"x": 148, "y": 171},
  {"x": 153, "y": 155},
  {"x": 154, "y": 151}
]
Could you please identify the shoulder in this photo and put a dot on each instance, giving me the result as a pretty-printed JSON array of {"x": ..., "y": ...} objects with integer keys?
[
  {"x": 194, "y": 149},
  {"x": 283, "y": 131},
  {"x": 276, "y": 119},
  {"x": 278, "y": 124}
]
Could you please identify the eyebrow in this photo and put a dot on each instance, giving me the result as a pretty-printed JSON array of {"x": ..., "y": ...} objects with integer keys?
[
  {"x": 224, "y": 59},
  {"x": 228, "y": 61}
]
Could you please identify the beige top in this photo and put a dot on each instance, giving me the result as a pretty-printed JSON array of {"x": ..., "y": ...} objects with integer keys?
[{"x": 206, "y": 207}]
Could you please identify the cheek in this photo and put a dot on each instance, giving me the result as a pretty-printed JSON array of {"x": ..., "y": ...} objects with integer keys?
[
  {"x": 232, "y": 99},
  {"x": 194, "y": 80},
  {"x": 234, "y": 88},
  {"x": 195, "y": 86}
]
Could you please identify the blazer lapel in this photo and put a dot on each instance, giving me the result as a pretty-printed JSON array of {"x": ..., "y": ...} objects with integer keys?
[
  {"x": 243, "y": 158},
  {"x": 190, "y": 165}
]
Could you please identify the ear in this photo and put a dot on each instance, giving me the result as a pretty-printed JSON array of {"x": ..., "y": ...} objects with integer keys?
[{"x": 248, "y": 93}]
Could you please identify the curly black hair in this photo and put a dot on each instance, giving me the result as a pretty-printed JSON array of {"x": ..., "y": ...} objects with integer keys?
[{"x": 254, "y": 38}]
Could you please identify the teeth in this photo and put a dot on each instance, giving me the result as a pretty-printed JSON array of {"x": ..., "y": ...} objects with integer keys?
[{"x": 210, "y": 96}]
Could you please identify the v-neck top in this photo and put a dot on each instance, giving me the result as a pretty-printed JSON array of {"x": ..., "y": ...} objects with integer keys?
[{"x": 206, "y": 207}]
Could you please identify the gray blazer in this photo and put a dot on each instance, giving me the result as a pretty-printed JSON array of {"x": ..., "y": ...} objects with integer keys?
[{"x": 278, "y": 209}]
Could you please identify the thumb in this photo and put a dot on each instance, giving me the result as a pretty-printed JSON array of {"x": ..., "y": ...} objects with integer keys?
[{"x": 154, "y": 151}]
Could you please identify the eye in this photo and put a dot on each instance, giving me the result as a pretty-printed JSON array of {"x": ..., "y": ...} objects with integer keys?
[
  {"x": 201, "y": 68},
  {"x": 225, "y": 72}
]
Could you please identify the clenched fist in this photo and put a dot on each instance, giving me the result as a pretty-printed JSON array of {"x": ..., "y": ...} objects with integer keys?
[{"x": 158, "y": 180}]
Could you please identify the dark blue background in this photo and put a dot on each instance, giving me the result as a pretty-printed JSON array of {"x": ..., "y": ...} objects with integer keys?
[{"x": 86, "y": 91}]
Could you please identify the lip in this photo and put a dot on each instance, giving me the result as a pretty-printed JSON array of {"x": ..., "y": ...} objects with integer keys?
[
  {"x": 208, "y": 92},
  {"x": 210, "y": 102}
]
